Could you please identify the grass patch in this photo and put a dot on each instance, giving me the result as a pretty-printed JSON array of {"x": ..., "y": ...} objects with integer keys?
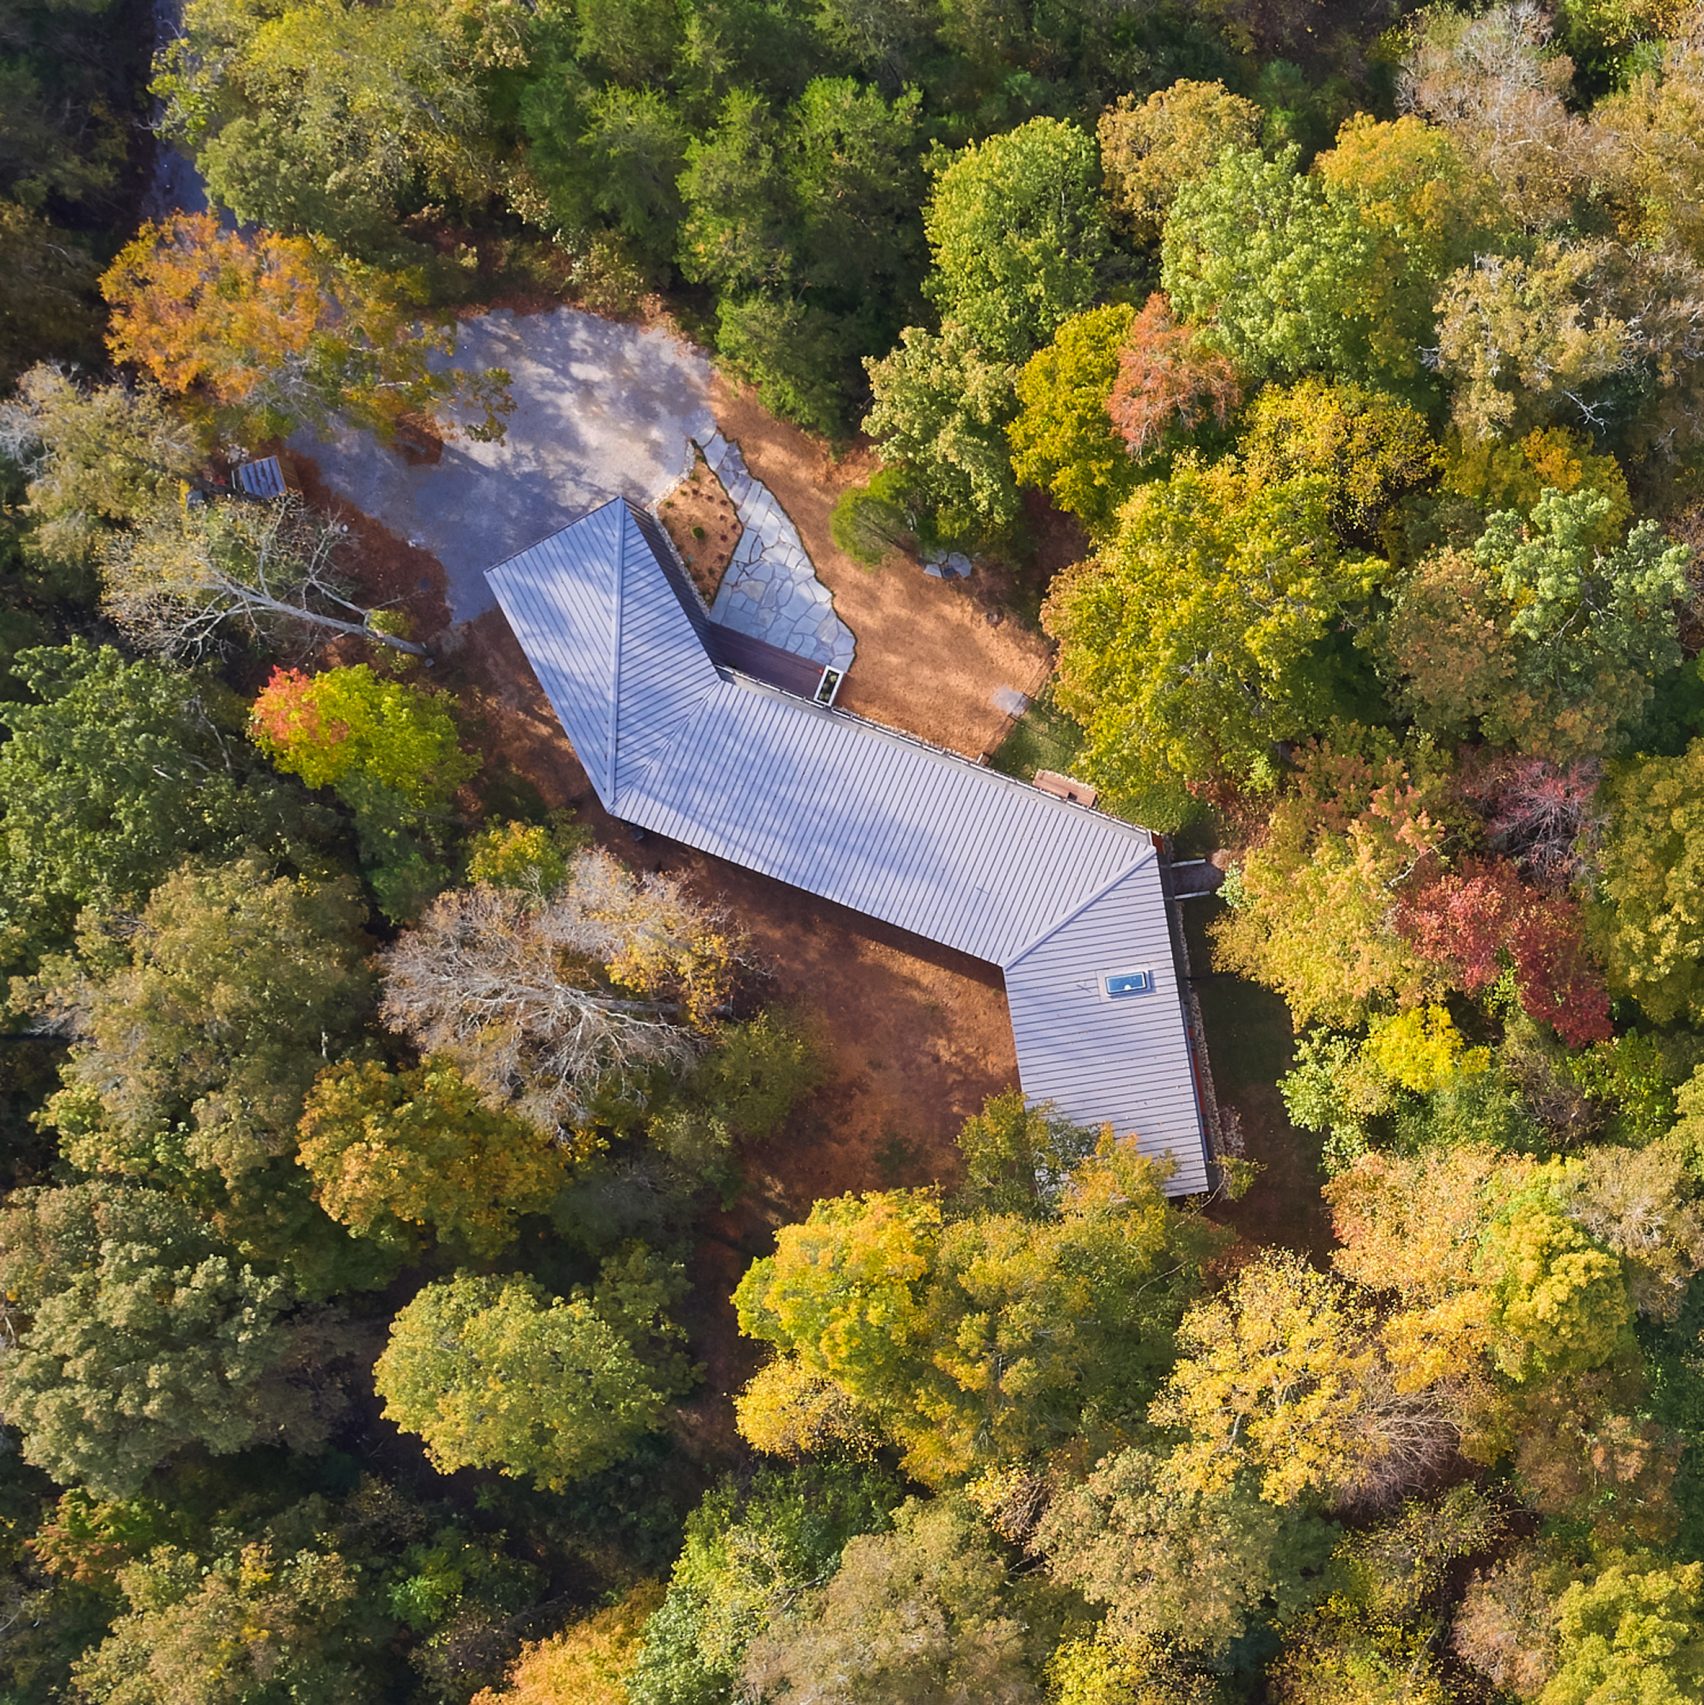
[
  {"x": 1249, "y": 1047},
  {"x": 1043, "y": 738}
]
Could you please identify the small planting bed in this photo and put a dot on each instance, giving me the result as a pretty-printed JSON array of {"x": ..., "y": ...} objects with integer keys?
[{"x": 701, "y": 519}]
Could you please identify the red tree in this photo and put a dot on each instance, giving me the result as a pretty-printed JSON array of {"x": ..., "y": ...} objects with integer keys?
[
  {"x": 1169, "y": 382},
  {"x": 1475, "y": 920}
]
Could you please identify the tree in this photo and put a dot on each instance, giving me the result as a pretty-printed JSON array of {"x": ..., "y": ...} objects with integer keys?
[
  {"x": 1281, "y": 1377},
  {"x": 627, "y": 162},
  {"x": 1017, "y": 236},
  {"x": 273, "y": 1615},
  {"x": 1150, "y": 148},
  {"x": 560, "y": 1007},
  {"x": 1528, "y": 343},
  {"x": 1495, "y": 475},
  {"x": 268, "y": 333},
  {"x": 978, "y": 1342},
  {"x": 589, "y": 1661},
  {"x": 940, "y": 411},
  {"x": 750, "y": 1551},
  {"x": 921, "y": 1614},
  {"x": 791, "y": 353},
  {"x": 145, "y": 1338},
  {"x": 1415, "y": 188},
  {"x": 178, "y": 581},
  {"x": 1551, "y": 635},
  {"x": 1171, "y": 382},
  {"x": 851, "y": 163},
  {"x": 497, "y": 1373},
  {"x": 1289, "y": 275},
  {"x": 95, "y": 458},
  {"x": 112, "y": 774},
  {"x": 343, "y": 120},
  {"x": 1062, "y": 438},
  {"x": 1371, "y": 447},
  {"x": 1633, "y": 1629},
  {"x": 1173, "y": 1564},
  {"x": 634, "y": 41},
  {"x": 392, "y": 1151},
  {"x": 871, "y": 520},
  {"x": 202, "y": 1033},
  {"x": 1496, "y": 84},
  {"x": 347, "y": 727},
  {"x": 1647, "y": 135},
  {"x": 1018, "y": 1159},
  {"x": 1193, "y": 640},
  {"x": 1467, "y": 920},
  {"x": 1649, "y": 920},
  {"x": 734, "y": 234},
  {"x": 1310, "y": 913}
]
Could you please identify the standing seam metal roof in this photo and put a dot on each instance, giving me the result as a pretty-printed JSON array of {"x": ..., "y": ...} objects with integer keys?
[{"x": 1053, "y": 893}]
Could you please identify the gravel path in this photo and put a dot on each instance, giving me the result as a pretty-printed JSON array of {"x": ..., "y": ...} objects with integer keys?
[{"x": 601, "y": 410}]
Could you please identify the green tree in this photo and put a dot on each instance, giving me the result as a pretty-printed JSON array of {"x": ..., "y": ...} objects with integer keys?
[
  {"x": 1062, "y": 438},
  {"x": 1018, "y": 1159},
  {"x": 198, "y": 1031},
  {"x": 628, "y": 160},
  {"x": 113, "y": 773},
  {"x": 497, "y": 1373},
  {"x": 1017, "y": 236},
  {"x": 1551, "y": 636},
  {"x": 1150, "y": 148},
  {"x": 734, "y": 236},
  {"x": 1290, "y": 276},
  {"x": 852, "y": 166},
  {"x": 1194, "y": 640},
  {"x": 322, "y": 116},
  {"x": 791, "y": 352},
  {"x": 634, "y": 41},
  {"x": 390, "y": 1152},
  {"x": 750, "y": 1551},
  {"x": 940, "y": 412},
  {"x": 145, "y": 1337},
  {"x": 923, "y": 1613},
  {"x": 281, "y": 1614},
  {"x": 1175, "y": 1564}
]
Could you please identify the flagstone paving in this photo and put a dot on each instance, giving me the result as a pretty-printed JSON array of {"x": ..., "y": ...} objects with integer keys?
[{"x": 770, "y": 590}]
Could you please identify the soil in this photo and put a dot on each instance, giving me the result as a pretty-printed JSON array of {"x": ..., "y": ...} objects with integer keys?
[
  {"x": 931, "y": 653},
  {"x": 387, "y": 569},
  {"x": 706, "y": 530}
]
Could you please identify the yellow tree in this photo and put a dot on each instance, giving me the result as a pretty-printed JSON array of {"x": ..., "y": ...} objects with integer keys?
[
  {"x": 266, "y": 333},
  {"x": 392, "y": 1151}
]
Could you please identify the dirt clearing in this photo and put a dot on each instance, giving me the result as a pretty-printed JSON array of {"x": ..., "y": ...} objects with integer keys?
[{"x": 931, "y": 653}]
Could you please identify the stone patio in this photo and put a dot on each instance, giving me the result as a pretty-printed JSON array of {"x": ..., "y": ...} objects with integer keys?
[{"x": 770, "y": 590}]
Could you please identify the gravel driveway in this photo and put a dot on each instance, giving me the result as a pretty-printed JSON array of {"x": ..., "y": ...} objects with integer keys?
[{"x": 601, "y": 410}]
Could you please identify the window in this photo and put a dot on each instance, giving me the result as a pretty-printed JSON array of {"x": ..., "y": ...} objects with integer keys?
[{"x": 1120, "y": 985}]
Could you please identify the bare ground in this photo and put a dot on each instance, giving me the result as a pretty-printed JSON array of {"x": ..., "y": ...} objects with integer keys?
[{"x": 931, "y": 653}]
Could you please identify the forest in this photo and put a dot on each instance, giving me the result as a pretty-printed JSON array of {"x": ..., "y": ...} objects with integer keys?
[{"x": 365, "y": 1119}]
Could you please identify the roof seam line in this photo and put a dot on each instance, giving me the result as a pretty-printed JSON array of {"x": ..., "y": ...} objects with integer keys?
[
  {"x": 1077, "y": 911},
  {"x": 615, "y": 660}
]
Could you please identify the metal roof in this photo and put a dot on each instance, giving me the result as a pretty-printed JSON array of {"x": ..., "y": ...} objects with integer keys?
[{"x": 1053, "y": 893}]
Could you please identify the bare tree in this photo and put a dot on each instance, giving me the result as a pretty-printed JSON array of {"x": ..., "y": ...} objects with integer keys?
[
  {"x": 176, "y": 581},
  {"x": 547, "y": 1004}
]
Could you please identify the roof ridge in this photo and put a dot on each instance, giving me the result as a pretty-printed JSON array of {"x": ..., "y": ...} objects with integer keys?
[
  {"x": 623, "y": 523},
  {"x": 1070, "y": 917}
]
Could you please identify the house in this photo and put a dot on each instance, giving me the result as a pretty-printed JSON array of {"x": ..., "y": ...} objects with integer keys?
[{"x": 681, "y": 734}]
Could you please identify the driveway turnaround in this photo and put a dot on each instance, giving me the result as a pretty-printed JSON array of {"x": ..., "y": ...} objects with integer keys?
[{"x": 601, "y": 410}]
